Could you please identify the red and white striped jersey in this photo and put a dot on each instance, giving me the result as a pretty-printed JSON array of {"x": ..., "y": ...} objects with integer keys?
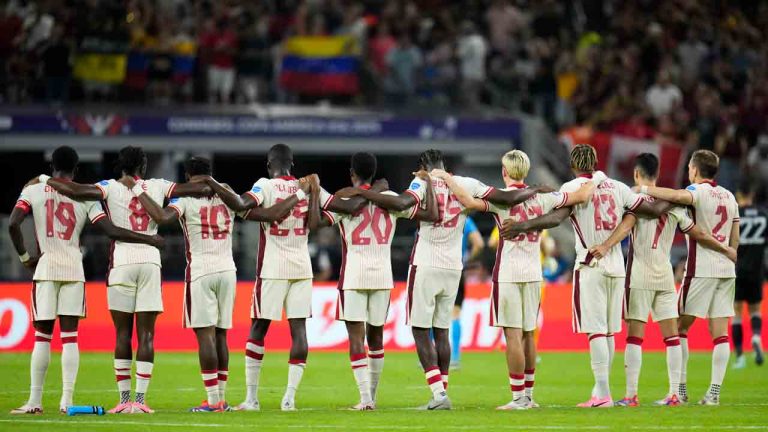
[
  {"x": 648, "y": 261},
  {"x": 715, "y": 210},
  {"x": 59, "y": 221},
  {"x": 366, "y": 239},
  {"x": 125, "y": 211},
  {"x": 283, "y": 252},
  {"x": 207, "y": 225},
  {"x": 439, "y": 244},
  {"x": 518, "y": 260},
  {"x": 595, "y": 220}
]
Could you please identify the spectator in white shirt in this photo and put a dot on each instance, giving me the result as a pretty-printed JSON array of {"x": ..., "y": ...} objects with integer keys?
[
  {"x": 663, "y": 96},
  {"x": 471, "y": 51}
]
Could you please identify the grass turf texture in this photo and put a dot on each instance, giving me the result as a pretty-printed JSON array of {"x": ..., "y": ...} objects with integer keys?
[{"x": 328, "y": 389}]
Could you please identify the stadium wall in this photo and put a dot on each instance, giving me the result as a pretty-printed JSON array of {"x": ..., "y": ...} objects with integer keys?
[{"x": 324, "y": 332}]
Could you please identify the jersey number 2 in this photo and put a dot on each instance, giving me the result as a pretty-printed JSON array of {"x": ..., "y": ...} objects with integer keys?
[
  {"x": 374, "y": 220},
  {"x": 723, "y": 213},
  {"x": 64, "y": 213}
]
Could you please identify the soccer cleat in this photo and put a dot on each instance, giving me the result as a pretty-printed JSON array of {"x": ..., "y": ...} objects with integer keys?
[
  {"x": 517, "y": 404},
  {"x": 364, "y": 406},
  {"x": 710, "y": 400},
  {"x": 226, "y": 407},
  {"x": 205, "y": 407},
  {"x": 628, "y": 402},
  {"x": 140, "y": 408},
  {"x": 757, "y": 347},
  {"x": 437, "y": 405},
  {"x": 671, "y": 400},
  {"x": 531, "y": 403},
  {"x": 288, "y": 405},
  {"x": 682, "y": 392},
  {"x": 249, "y": 406},
  {"x": 121, "y": 408},
  {"x": 596, "y": 402},
  {"x": 27, "y": 409},
  {"x": 739, "y": 363}
]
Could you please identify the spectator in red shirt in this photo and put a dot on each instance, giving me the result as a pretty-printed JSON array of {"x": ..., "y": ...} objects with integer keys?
[{"x": 219, "y": 46}]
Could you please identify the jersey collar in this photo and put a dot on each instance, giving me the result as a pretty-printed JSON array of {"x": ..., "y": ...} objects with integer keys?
[
  {"x": 365, "y": 186},
  {"x": 586, "y": 175},
  {"x": 519, "y": 185},
  {"x": 287, "y": 177},
  {"x": 710, "y": 182}
]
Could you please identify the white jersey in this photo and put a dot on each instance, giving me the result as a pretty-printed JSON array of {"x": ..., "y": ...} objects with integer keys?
[
  {"x": 648, "y": 263},
  {"x": 59, "y": 221},
  {"x": 517, "y": 260},
  {"x": 366, "y": 239},
  {"x": 207, "y": 225},
  {"x": 595, "y": 220},
  {"x": 125, "y": 211},
  {"x": 439, "y": 244},
  {"x": 283, "y": 252},
  {"x": 715, "y": 210}
]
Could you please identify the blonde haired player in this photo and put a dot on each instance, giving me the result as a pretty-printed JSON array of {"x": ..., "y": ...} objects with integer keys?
[
  {"x": 516, "y": 290},
  {"x": 598, "y": 285},
  {"x": 650, "y": 284},
  {"x": 710, "y": 278},
  {"x": 59, "y": 290}
]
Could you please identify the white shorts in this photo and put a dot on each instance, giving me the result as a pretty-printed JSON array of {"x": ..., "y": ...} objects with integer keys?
[
  {"x": 597, "y": 301},
  {"x": 661, "y": 304},
  {"x": 51, "y": 299},
  {"x": 707, "y": 297},
  {"x": 431, "y": 295},
  {"x": 365, "y": 305},
  {"x": 135, "y": 288},
  {"x": 221, "y": 80},
  {"x": 515, "y": 304},
  {"x": 271, "y": 296},
  {"x": 209, "y": 300}
]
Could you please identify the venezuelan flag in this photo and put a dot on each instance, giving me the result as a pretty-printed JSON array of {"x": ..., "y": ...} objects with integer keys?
[{"x": 320, "y": 65}]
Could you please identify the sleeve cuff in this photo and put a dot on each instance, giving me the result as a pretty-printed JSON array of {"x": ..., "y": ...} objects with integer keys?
[
  {"x": 636, "y": 204},
  {"x": 737, "y": 219},
  {"x": 487, "y": 192},
  {"x": 688, "y": 228},
  {"x": 328, "y": 201},
  {"x": 176, "y": 209},
  {"x": 487, "y": 206},
  {"x": 103, "y": 192},
  {"x": 415, "y": 195},
  {"x": 328, "y": 216},
  {"x": 23, "y": 205},
  {"x": 98, "y": 217},
  {"x": 255, "y": 197},
  {"x": 170, "y": 190},
  {"x": 562, "y": 201}
]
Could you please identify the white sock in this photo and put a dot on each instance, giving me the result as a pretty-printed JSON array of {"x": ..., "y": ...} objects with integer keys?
[
  {"x": 375, "y": 367},
  {"x": 674, "y": 363},
  {"x": 598, "y": 353},
  {"x": 38, "y": 366},
  {"x": 683, "y": 390},
  {"x": 611, "y": 350},
  {"x": 529, "y": 380},
  {"x": 223, "y": 376},
  {"x": 720, "y": 355},
  {"x": 143, "y": 375},
  {"x": 70, "y": 363},
  {"x": 295, "y": 372},
  {"x": 633, "y": 360},
  {"x": 254, "y": 354},
  {"x": 359, "y": 365},
  {"x": 211, "y": 383},
  {"x": 444, "y": 379},
  {"x": 435, "y": 383},
  {"x": 517, "y": 385},
  {"x": 123, "y": 378}
]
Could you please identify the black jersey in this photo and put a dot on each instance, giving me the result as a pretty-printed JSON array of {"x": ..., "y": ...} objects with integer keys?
[{"x": 753, "y": 228}]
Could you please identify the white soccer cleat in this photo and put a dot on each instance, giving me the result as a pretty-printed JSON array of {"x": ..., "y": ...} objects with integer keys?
[
  {"x": 517, "y": 404},
  {"x": 437, "y": 405},
  {"x": 364, "y": 406},
  {"x": 531, "y": 403},
  {"x": 710, "y": 400},
  {"x": 27, "y": 409},
  {"x": 249, "y": 406},
  {"x": 739, "y": 363},
  {"x": 288, "y": 405}
]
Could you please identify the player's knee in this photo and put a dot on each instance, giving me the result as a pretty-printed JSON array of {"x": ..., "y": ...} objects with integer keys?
[{"x": 44, "y": 326}]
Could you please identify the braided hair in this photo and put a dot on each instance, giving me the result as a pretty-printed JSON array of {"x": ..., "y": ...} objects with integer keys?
[
  {"x": 584, "y": 158},
  {"x": 430, "y": 159}
]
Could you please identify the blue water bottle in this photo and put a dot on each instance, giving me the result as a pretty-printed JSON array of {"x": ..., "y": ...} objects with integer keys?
[{"x": 85, "y": 409}]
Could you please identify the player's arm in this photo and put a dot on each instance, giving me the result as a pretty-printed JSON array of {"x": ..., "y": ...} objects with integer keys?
[
  {"x": 128, "y": 236},
  {"x": 76, "y": 191},
  {"x": 620, "y": 233},
  {"x": 580, "y": 195},
  {"x": 430, "y": 212},
  {"x": 313, "y": 213},
  {"x": 161, "y": 216},
  {"x": 234, "y": 201},
  {"x": 706, "y": 240},
  {"x": 400, "y": 202},
  {"x": 464, "y": 197},
  {"x": 514, "y": 197},
  {"x": 191, "y": 189},
  {"x": 676, "y": 196},
  {"x": 18, "y": 215},
  {"x": 510, "y": 229},
  {"x": 348, "y": 200},
  {"x": 275, "y": 213},
  {"x": 653, "y": 209}
]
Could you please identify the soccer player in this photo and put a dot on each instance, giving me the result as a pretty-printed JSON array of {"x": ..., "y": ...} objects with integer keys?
[
  {"x": 133, "y": 279},
  {"x": 516, "y": 290},
  {"x": 598, "y": 285},
  {"x": 59, "y": 289},
  {"x": 750, "y": 273},
  {"x": 211, "y": 279},
  {"x": 710, "y": 277},
  {"x": 650, "y": 286},
  {"x": 366, "y": 282},
  {"x": 435, "y": 266}
]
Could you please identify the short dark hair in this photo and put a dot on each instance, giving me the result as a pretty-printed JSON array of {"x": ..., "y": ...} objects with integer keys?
[
  {"x": 648, "y": 164},
  {"x": 197, "y": 165},
  {"x": 430, "y": 158},
  {"x": 64, "y": 159},
  {"x": 707, "y": 163},
  {"x": 364, "y": 165},
  {"x": 130, "y": 159},
  {"x": 281, "y": 154}
]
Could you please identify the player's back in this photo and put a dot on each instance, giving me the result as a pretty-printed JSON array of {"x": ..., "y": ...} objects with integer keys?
[
  {"x": 207, "y": 224},
  {"x": 595, "y": 220},
  {"x": 753, "y": 228},
  {"x": 283, "y": 251},
  {"x": 125, "y": 211},
  {"x": 438, "y": 244},
  {"x": 715, "y": 210},
  {"x": 59, "y": 221}
]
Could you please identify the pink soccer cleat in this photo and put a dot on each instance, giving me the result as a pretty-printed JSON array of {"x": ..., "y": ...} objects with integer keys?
[
  {"x": 596, "y": 402},
  {"x": 27, "y": 409},
  {"x": 628, "y": 402},
  {"x": 670, "y": 400},
  {"x": 140, "y": 408},
  {"x": 364, "y": 406},
  {"x": 122, "y": 408}
]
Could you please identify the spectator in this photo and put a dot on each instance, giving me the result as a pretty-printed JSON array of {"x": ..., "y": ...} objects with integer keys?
[
  {"x": 663, "y": 96},
  {"x": 691, "y": 53},
  {"x": 220, "y": 45},
  {"x": 504, "y": 21},
  {"x": 56, "y": 66},
  {"x": 471, "y": 51},
  {"x": 254, "y": 65},
  {"x": 403, "y": 63}
]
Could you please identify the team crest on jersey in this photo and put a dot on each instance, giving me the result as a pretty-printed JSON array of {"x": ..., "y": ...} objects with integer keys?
[
  {"x": 691, "y": 188},
  {"x": 415, "y": 185},
  {"x": 256, "y": 189},
  {"x": 173, "y": 201},
  {"x": 104, "y": 182}
]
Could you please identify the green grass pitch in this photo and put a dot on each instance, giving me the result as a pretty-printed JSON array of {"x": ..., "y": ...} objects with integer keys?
[{"x": 562, "y": 380}]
